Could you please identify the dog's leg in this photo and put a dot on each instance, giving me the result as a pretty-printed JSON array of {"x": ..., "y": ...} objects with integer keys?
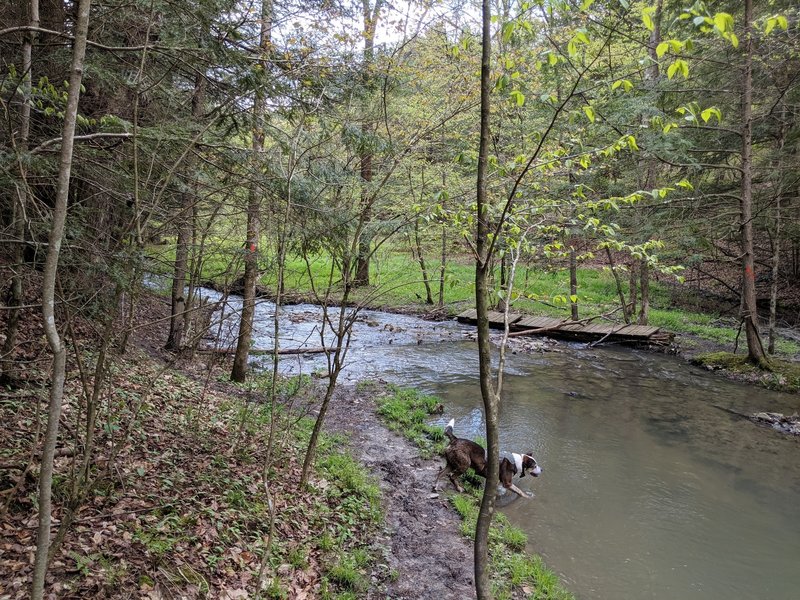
[
  {"x": 519, "y": 492},
  {"x": 445, "y": 469},
  {"x": 454, "y": 478}
]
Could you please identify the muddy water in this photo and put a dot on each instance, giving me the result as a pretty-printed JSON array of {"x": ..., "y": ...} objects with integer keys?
[{"x": 648, "y": 490}]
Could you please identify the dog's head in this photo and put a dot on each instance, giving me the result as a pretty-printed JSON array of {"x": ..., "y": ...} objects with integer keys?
[{"x": 528, "y": 465}]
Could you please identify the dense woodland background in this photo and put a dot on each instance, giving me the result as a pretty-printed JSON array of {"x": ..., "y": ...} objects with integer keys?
[{"x": 253, "y": 145}]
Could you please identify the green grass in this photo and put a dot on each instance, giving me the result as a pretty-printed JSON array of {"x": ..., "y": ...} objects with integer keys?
[
  {"x": 512, "y": 570},
  {"x": 406, "y": 411}
]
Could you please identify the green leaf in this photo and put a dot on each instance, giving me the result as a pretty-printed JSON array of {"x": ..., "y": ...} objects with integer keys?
[
  {"x": 646, "y": 18},
  {"x": 661, "y": 49},
  {"x": 679, "y": 65},
  {"x": 573, "y": 298},
  {"x": 632, "y": 143},
  {"x": 685, "y": 184},
  {"x": 783, "y": 22},
  {"x": 712, "y": 111},
  {"x": 723, "y": 21},
  {"x": 589, "y": 112},
  {"x": 734, "y": 40},
  {"x": 616, "y": 84},
  {"x": 518, "y": 96},
  {"x": 771, "y": 22},
  {"x": 586, "y": 4},
  {"x": 552, "y": 59},
  {"x": 627, "y": 85},
  {"x": 508, "y": 31},
  {"x": 672, "y": 69}
]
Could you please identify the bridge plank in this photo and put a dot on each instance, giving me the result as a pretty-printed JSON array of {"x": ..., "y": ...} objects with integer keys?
[{"x": 555, "y": 327}]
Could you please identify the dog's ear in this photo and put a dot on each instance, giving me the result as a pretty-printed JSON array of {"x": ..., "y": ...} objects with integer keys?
[{"x": 524, "y": 466}]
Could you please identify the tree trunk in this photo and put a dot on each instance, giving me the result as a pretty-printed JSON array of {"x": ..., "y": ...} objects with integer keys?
[
  {"x": 178, "y": 323},
  {"x": 620, "y": 292},
  {"x": 442, "y": 267},
  {"x": 633, "y": 289},
  {"x": 490, "y": 400},
  {"x": 644, "y": 279},
  {"x": 370, "y": 16},
  {"x": 239, "y": 371},
  {"x": 22, "y": 196},
  {"x": 652, "y": 74},
  {"x": 342, "y": 332},
  {"x": 776, "y": 243},
  {"x": 361, "y": 277},
  {"x": 502, "y": 296},
  {"x": 421, "y": 260},
  {"x": 48, "y": 300},
  {"x": 573, "y": 282},
  {"x": 178, "y": 303},
  {"x": 755, "y": 350}
]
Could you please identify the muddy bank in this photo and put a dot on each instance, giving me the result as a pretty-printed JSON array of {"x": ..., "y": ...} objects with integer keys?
[{"x": 427, "y": 556}]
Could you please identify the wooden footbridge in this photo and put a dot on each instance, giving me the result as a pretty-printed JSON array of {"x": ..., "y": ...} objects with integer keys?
[{"x": 584, "y": 330}]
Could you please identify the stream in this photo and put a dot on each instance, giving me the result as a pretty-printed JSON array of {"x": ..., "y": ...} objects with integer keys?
[{"x": 648, "y": 490}]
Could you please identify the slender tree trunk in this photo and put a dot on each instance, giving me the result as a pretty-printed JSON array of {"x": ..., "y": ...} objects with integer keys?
[
  {"x": 178, "y": 296},
  {"x": 370, "y": 16},
  {"x": 502, "y": 297},
  {"x": 421, "y": 260},
  {"x": 22, "y": 196},
  {"x": 652, "y": 75},
  {"x": 644, "y": 278},
  {"x": 342, "y": 332},
  {"x": 442, "y": 267},
  {"x": 773, "y": 291},
  {"x": 633, "y": 290},
  {"x": 490, "y": 400},
  {"x": 186, "y": 225},
  {"x": 755, "y": 350},
  {"x": 361, "y": 277},
  {"x": 48, "y": 300},
  {"x": 776, "y": 243},
  {"x": 573, "y": 282},
  {"x": 620, "y": 292},
  {"x": 244, "y": 339}
]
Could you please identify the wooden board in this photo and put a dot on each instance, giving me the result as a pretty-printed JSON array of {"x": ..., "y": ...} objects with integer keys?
[{"x": 555, "y": 327}]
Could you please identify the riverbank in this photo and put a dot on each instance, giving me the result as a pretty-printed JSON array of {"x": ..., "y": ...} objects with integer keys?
[{"x": 176, "y": 506}]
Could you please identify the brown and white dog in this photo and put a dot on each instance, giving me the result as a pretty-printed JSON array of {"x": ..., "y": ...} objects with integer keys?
[{"x": 461, "y": 454}]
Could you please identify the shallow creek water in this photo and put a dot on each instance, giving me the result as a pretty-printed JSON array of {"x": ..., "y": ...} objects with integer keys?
[{"x": 648, "y": 490}]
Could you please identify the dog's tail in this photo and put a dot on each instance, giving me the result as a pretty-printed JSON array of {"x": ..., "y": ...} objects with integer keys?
[{"x": 448, "y": 431}]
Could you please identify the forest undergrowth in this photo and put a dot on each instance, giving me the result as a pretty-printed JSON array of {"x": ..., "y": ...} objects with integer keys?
[{"x": 176, "y": 505}]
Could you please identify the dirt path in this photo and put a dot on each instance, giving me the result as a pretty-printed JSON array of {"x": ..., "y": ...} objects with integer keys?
[{"x": 421, "y": 535}]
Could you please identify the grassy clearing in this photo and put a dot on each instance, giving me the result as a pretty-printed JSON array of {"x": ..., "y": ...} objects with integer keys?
[{"x": 513, "y": 571}]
